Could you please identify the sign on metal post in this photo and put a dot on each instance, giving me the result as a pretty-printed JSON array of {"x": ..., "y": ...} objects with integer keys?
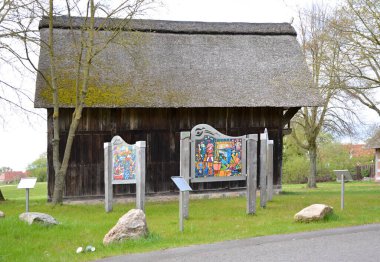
[
  {"x": 346, "y": 175},
  {"x": 342, "y": 176},
  {"x": 183, "y": 187},
  {"x": 124, "y": 164},
  {"x": 27, "y": 183}
]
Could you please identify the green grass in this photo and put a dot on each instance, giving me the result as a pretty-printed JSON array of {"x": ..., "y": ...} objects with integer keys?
[{"x": 211, "y": 220}]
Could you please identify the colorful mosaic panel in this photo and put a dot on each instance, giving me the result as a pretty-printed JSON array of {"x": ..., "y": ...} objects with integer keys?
[
  {"x": 123, "y": 162},
  {"x": 218, "y": 157}
]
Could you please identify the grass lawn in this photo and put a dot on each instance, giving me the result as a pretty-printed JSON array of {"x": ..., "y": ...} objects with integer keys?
[{"x": 211, "y": 220}]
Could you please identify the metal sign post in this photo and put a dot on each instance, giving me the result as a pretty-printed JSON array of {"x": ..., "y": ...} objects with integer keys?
[
  {"x": 27, "y": 183},
  {"x": 342, "y": 194},
  {"x": 183, "y": 187},
  {"x": 343, "y": 175}
]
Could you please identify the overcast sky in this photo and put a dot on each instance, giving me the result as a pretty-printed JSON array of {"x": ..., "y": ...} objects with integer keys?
[{"x": 22, "y": 141}]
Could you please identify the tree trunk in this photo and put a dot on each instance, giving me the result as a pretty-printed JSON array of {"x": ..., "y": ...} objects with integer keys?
[
  {"x": 311, "y": 181},
  {"x": 77, "y": 115},
  {"x": 59, "y": 184},
  {"x": 1, "y": 196}
]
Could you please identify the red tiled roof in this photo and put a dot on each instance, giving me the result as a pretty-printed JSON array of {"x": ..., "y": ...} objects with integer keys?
[{"x": 359, "y": 150}]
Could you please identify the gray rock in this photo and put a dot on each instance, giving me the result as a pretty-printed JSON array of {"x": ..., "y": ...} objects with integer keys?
[
  {"x": 35, "y": 217},
  {"x": 313, "y": 213},
  {"x": 131, "y": 225},
  {"x": 2, "y": 214}
]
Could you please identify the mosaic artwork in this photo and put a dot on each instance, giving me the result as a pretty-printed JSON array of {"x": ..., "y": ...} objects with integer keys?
[
  {"x": 123, "y": 162},
  {"x": 218, "y": 157}
]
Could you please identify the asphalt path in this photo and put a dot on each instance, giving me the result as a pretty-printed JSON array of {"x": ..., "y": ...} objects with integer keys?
[{"x": 359, "y": 243}]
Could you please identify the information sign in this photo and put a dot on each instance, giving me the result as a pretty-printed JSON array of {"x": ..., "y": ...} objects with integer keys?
[
  {"x": 181, "y": 183},
  {"x": 29, "y": 182}
]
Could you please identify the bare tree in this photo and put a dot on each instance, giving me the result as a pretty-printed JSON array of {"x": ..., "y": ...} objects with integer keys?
[
  {"x": 15, "y": 27},
  {"x": 323, "y": 56},
  {"x": 86, "y": 49},
  {"x": 17, "y": 44},
  {"x": 359, "y": 28}
]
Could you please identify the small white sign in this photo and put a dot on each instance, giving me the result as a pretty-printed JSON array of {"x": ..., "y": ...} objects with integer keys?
[
  {"x": 29, "y": 182},
  {"x": 181, "y": 183}
]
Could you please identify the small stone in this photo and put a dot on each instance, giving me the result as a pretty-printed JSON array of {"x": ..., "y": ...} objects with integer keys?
[
  {"x": 313, "y": 213},
  {"x": 2, "y": 214},
  {"x": 36, "y": 217},
  {"x": 131, "y": 225},
  {"x": 90, "y": 249}
]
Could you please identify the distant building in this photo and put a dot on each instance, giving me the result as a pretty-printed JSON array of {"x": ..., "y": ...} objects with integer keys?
[
  {"x": 358, "y": 150},
  {"x": 11, "y": 176},
  {"x": 374, "y": 143}
]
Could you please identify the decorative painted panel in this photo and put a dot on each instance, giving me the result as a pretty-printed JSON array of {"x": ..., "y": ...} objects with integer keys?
[
  {"x": 216, "y": 157},
  {"x": 123, "y": 161}
]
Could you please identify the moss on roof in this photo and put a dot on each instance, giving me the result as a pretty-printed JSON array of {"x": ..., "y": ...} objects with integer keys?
[{"x": 236, "y": 65}]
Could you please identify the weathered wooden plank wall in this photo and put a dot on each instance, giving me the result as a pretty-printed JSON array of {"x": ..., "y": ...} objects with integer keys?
[{"x": 160, "y": 128}]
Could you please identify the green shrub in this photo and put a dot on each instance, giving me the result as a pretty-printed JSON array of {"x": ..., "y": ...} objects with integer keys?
[
  {"x": 295, "y": 169},
  {"x": 38, "y": 168}
]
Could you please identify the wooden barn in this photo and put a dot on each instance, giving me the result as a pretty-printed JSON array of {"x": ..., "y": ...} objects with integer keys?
[{"x": 158, "y": 78}]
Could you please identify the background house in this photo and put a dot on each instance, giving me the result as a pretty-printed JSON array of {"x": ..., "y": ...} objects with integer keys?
[
  {"x": 374, "y": 143},
  {"x": 12, "y": 176},
  {"x": 237, "y": 77}
]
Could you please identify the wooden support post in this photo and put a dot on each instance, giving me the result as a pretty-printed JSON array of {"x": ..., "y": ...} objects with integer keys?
[
  {"x": 185, "y": 168},
  {"x": 251, "y": 173},
  {"x": 263, "y": 168},
  {"x": 140, "y": 175},
  {"x": 108, "y": 194},
  {"x": 270, "y": 169}
]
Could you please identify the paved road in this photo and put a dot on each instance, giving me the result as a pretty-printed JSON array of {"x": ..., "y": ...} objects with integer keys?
[{"x": 360, "y": 243}]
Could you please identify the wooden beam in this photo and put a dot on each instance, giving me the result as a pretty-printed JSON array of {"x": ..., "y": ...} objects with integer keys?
[{"x": 289, "y": 115}]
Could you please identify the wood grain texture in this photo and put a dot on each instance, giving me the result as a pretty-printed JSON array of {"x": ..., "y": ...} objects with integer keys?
[{"x": 160, "y": 128}]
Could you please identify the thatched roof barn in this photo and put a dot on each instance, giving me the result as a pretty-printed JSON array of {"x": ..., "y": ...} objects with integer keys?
[{"x": 157, "y": 78}]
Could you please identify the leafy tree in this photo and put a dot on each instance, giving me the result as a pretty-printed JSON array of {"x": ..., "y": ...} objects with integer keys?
[
  {"x": 322, "y": 53},
  {"x": 38, "y": 168}
]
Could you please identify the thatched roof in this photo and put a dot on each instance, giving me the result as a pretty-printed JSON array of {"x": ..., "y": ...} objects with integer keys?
[
  {"x": 182, "y": 64},
  {"x": 374, "y": 142}
]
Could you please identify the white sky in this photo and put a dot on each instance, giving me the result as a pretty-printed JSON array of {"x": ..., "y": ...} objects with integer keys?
[{"x": 22, "y": 141}]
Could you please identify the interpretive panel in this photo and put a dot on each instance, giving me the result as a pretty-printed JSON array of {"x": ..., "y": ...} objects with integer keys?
[
  {"x": 216, "y": 157},
  {"x": 123, "y": 162},
  {"x": 181, "y": 183}
]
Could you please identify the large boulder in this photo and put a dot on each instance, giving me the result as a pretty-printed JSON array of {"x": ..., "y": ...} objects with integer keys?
[
  {"x": 2, "y": 214},
  {"x": 313, "y": 213},
  {"x": 131, "y": 225},
  {"x": 36, "y": 217}
]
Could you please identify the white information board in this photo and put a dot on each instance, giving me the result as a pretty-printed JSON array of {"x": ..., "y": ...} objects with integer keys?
[
  {"x": 29, "y": 182},
  {"x": 181, "y": 183}
]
